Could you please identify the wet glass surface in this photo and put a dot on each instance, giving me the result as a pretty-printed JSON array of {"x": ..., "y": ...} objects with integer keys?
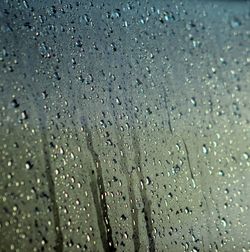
[{"x": 124, "y": 125}]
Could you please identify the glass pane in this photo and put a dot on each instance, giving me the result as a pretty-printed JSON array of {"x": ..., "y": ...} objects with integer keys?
[{"x": 124, "y": 125}]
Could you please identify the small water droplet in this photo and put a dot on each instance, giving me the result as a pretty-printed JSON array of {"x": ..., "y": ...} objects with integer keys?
[
  {"x": 204, "y": 149},
  {"x": 28, "y": 165},
  {"x": 223, "y": 222},
  {"x": 193, "y": 101},
  {"x": 245, "y": 155},
  {"x": 235, "y": 22}
]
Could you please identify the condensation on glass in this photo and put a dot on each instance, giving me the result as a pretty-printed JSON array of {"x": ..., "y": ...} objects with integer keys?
[{"x": 124, "y": 125}]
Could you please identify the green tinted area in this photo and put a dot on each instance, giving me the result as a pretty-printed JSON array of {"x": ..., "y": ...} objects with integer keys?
[{"x": 124, "y": 125}]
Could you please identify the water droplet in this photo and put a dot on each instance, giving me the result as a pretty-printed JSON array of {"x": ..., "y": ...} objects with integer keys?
[
  {"x": 24, "y": 115},
  {"x": 235, "y": 22},
  {"x": 28, "y": 165},
  {"x": 245, "y": 155},
  {"x": 117, "y": 100},
  {"x": 221, "y": 173},
  {"x": 204, "y": 149},
  {"x": 14, "y": 103},
  {"x": 223, "y": 222},
  {"x": 193, "y": 101}
]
